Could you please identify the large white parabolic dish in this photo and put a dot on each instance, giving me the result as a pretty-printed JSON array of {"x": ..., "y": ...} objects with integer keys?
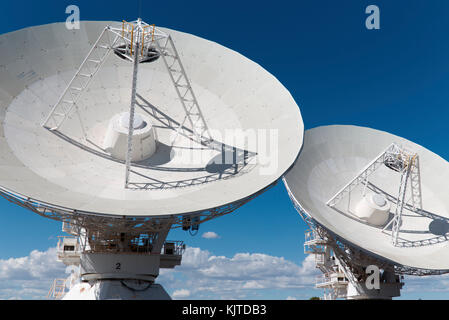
[
  {"x": 233, "y": 92},
  {"x": 333, "y": 155}
]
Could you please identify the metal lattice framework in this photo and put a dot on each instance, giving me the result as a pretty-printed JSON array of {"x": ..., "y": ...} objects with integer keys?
[
  {"x": 399, "y": 160},
  {"x": 136, "y": 41},
  {"x": 416, "y": 197},
  {"x": 424, "y": 213},
  {"x": 113, "y": 224}
]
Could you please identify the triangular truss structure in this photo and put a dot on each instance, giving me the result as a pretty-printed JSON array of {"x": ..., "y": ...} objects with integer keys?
[
  {"x": 137, "y": 42},
  {"x": 399, "y": 160}
]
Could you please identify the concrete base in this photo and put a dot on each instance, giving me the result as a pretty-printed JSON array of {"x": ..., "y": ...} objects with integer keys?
[{"x": 117, "y": 290}]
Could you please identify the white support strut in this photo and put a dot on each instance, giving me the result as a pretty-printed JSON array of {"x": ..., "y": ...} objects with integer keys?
[
  {"x": 402, "y": 161},
  {"x": 184, "y": 90},
  {"x": 361, "y": 177},
  {"x": 416, "y": 196},
  {"x": 131, "y": 114},
  {"x": 80, "y": 81}
]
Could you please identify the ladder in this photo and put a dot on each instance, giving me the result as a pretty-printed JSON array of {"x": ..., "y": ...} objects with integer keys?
[
  {"x": 415, "y": 182},
  {"x": 80, "y": 81},
  {"x": 184, "y": 91},
  {"x": 57, "y": 290}
]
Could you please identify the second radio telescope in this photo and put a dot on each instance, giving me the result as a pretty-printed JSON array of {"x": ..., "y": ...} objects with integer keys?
[
  {"x": 354, "y": 182},
  {"x": 371, "y": 200}
]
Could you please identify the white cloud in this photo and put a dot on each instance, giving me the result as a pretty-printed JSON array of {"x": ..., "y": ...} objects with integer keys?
[
  {"x": 258, "y": 275},
  {"x": 252, "y": 285},
  {"x": 210, "y": 235},
  {"x": 431, "y": 287},
  {"x": 30, "y": 277},
  {"x": 38, "y": 265},
  {"x": 201, "y": 275},
  {"x": 242, "y": 276},
  {"x": 179, "y": 294},
  {"x": 291, "y": 298}
]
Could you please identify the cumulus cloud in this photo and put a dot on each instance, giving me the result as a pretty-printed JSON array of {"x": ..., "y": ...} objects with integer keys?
[
  {"x": 210, "y": 235},
  {"x": 433, "y": 287},
  {"x": 241, "y": 276},
  {"x": 179, "y": 294},
  {"x": 202, "y": 275},
  {"x": 257, "y": 275},
  {"x": 30, "y": 277}
]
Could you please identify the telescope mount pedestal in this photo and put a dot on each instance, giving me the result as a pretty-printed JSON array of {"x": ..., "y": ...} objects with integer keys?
[
  {"x": 348, "y": 273},
  {"x": 116, "y": 265}
]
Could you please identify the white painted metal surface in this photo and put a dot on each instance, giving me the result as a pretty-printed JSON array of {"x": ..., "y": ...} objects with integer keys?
[
  {"x": 374, "y": 209},
  {"x": 333, "y": 155},
  {"x": 143, "y": 138},
  {"x": 117, "y": 290},
  {"x": 66, "y": 170}
]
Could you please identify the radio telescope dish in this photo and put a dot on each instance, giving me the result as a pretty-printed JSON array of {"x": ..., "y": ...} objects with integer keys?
[
  {"x": 375, "y": 198},
  {"x": 125, "y": 130}
]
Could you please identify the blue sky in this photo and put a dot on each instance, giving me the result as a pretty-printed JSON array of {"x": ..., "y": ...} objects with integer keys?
[{"x": 393, "y": 79}]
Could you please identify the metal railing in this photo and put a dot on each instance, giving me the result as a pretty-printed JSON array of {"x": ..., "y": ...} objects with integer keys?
[
  {"x": 169, "y": 247},
  {"x": 65, "y": 244},
  {"x": 331, "y": 279},
  {"x": 176, "y": 247}
]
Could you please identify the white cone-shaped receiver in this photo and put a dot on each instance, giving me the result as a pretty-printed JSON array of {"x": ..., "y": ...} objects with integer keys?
[
  {"x": 374, "y": 209},
  {"x": 116, "y": 137}
]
